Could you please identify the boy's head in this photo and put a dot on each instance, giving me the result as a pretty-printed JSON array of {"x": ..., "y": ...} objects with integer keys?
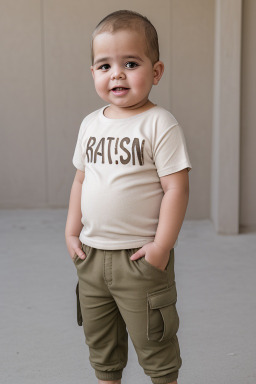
[
  {"x": 125, "y": 62},
  {"x": 129, "y": 20}
]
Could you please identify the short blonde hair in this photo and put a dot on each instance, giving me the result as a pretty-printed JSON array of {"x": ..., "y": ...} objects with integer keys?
[{"x": 121, "y": 20}]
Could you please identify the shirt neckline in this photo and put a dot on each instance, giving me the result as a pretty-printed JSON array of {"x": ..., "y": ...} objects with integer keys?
[{"x": 107, "y": 119}]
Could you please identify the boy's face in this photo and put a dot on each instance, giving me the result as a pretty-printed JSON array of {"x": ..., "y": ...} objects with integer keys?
[{"x": 123, "y": 74}]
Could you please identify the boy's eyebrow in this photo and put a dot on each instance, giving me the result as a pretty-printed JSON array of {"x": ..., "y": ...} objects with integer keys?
[
  {"x": 100, "y": 60},
  {"x": 106, "y": 59},
  {"x": 133, "y": 57}
]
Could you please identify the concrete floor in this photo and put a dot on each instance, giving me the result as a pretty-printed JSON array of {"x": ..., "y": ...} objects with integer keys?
[{"x": 41, "y": 343}]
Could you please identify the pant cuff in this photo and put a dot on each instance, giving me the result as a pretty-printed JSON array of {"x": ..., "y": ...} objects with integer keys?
[
  {"x": 107, "y": 376},
  {"x": 165, "y": 379}
]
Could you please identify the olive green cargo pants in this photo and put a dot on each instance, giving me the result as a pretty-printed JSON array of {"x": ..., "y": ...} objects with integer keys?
[{"x": 117, "y": 295}]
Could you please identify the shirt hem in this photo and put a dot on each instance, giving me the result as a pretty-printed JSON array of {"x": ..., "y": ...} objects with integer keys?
[
  {"x": 170, "y": 170},
  {"x": 113, "y": 247},
  {"x": 109, "y": 246},
  {"x": 79, "y": 166}
]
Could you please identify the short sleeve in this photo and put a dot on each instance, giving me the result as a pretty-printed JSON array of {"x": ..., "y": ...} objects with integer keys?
[
  {"x": 170, "y": 151},
  {"x": 78, "y": 158}
]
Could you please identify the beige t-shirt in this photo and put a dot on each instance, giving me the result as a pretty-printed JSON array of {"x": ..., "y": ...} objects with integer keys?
[{"x": 123, "y": 160}]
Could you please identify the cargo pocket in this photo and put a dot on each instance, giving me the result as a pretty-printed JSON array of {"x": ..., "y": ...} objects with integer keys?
[
  {"x": 78, "y": 307},
  {"x": 162, "y": 316}
]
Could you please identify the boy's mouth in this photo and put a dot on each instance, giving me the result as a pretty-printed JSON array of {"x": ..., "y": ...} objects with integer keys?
[{"x": 120, "y": 91}]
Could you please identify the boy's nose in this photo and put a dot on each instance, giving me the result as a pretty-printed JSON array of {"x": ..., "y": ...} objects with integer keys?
[{"x": 118, "y": 74}]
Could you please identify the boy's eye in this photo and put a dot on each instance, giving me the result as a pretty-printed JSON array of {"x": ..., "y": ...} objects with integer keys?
[
  {"x": 131, "y": 65},
  {"x": 104, "y": 67}
]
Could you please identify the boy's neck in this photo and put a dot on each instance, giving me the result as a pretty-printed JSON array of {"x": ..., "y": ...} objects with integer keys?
[{"x": 114, "y": 112}]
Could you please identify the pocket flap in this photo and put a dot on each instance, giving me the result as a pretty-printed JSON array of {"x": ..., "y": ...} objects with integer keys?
[{"x": 163, "y": 298}]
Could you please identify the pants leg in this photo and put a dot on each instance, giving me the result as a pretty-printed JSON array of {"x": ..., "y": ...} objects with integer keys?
[
  {"x": 146, "y": 298},
  {"x": 104, "y": 327}
]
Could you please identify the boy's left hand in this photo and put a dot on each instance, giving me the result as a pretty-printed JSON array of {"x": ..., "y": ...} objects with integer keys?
[{"x": 154, "y": 255}]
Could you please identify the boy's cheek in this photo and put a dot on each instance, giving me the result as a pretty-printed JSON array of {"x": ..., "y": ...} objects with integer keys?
[{"x": 97, "y": 84}]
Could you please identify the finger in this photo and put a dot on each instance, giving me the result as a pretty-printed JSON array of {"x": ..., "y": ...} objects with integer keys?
[
  {"x": 137, "y": 255},
  {"x": 80, "y": 253}
]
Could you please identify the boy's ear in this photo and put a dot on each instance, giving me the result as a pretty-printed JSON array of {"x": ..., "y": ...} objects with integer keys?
[
  {"x": 158, "y": 70},
  {"x": 92, "y": 70}
]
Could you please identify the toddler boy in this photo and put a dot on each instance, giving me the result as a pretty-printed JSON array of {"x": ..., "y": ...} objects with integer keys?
[{"x": 127, "y": 204}]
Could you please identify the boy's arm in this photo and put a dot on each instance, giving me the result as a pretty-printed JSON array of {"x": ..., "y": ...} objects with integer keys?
[
  {"x": 73, "y": 224},
  {"x": 172, "y": 213}
]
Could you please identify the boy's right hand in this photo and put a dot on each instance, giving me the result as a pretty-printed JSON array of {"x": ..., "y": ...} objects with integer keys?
[{"x": 74, "y": 247}]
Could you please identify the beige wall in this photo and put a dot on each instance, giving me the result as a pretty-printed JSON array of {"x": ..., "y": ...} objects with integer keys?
[
  {"x": 191, "y": 87},
  {"x": 226, "y": 117},
  {"x": 46, "y": 90},
  {"x": 23, "y": 167},
  {"x": 248, "y": 117}
]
